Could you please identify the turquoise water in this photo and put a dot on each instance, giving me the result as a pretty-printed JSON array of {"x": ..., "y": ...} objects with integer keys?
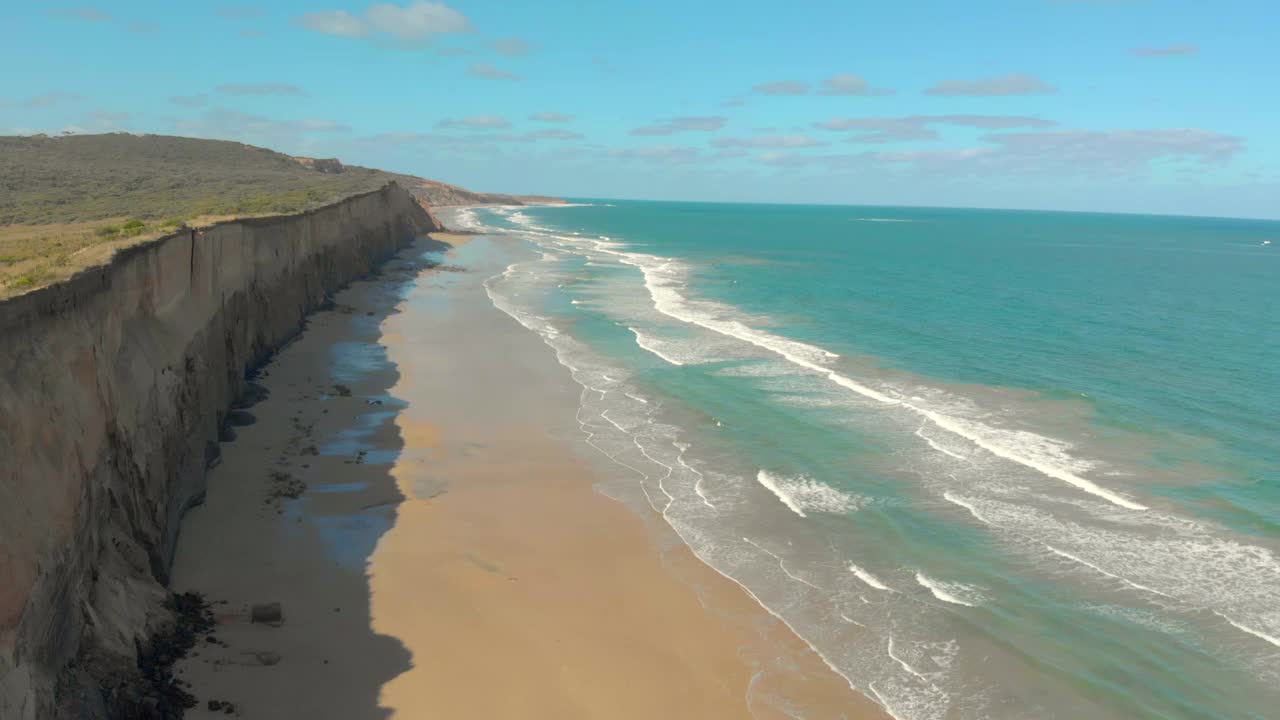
[{"x": 987, "y": 463}]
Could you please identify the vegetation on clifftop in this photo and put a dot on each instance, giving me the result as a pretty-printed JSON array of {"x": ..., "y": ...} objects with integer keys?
[{"x": 69, "y": 202}]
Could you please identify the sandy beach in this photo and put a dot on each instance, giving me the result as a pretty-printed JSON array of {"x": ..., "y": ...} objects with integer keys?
[{"x": 416, "y": 494}]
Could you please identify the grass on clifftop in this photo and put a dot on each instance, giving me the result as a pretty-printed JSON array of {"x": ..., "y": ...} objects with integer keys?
[
  {"x": 78, "y": 178},
  {"x": 68, "y": 202}
]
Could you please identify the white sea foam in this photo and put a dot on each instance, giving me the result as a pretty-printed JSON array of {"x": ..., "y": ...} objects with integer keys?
[
  {"x": 675, "y": 489},
  {"x": 1174, "y": 558},
  {"x": 933, "y": 444},
  {"x": 781, "y": 563},
  {"x": 652, "y": 345},
  {"x": 1256, "y": 633},
  {"x": 951, "y": 592},
  {"x": 803, "y": 495},
  {"x": 867, "y": 577},
  {"x": 665, "y": 279},
  {"x": 905, "y": 665},
  {"x": 1088, "y": 564}
]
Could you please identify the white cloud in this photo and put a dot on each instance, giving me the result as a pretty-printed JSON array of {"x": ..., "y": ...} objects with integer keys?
[
  {"x": 412, "y": 24},
  {"x": 846, "y": 84},
  {"x": 260, "y": 89},
  {"x": 334, "y": 22},
  {"x": 511, "y": 46},
  {"x": 683, "y": 124},
  {"x": 551, "y": 117},
  {"x": 1167, "y": 50},
  {"x": 917, "y": 127},
  {"x": 554, "y": 134},
  {"x": 1116, "y": 150},
  {"x": 232, "y": 125},
  {"x": 769, "y": 141},
  {"x": 1054, "y": 154},
  {"x": 1011, "y": 84},
  {"x": 490, "y": 72},
  {"x": 475, "y": 139},
  {"x": 475, "y": 122},
  {"x": 667, "y": 154},
  {"x": 782, "y": 87},
  {"x": 417, "y": 20}
]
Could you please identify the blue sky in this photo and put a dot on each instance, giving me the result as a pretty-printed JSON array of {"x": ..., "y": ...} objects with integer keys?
[{"x": 1165, "y": 106}]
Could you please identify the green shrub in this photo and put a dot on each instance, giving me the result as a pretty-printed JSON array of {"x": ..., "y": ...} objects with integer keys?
[
  {"x": 107, "y": 231},
  {"x": 132, "y": 228}
]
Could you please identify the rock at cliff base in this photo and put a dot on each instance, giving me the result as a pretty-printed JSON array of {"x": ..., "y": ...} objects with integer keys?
[{"x": 267, "y": 614}]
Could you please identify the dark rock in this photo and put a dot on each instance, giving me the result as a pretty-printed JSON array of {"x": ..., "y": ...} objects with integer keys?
[
  {"x": 226, "y": 433},
  {"x": 342, "y": 390},
  {"x": 267, "y": 613},
  {"x": 265, "y": 657},
  {"x": 241, "y": 418}
]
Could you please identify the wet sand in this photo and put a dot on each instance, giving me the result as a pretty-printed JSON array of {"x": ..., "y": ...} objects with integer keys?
[{"x": 448, "y": 556}]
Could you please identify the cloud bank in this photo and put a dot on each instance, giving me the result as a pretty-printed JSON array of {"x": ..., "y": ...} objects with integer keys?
[
  {"x": 490, "y": 72},
  {"x": 1167, "y": 50},
  {"x": 412, "y": 24},
  {"x": 261, "y": 89},
  {"x": 849, "y": 85},
  {"x": 1011, "y": 84},
  {"x": 683, "y": 124}
]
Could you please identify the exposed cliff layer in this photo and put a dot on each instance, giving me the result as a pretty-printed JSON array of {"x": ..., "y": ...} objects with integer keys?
[{"x": 113, "y": 387}]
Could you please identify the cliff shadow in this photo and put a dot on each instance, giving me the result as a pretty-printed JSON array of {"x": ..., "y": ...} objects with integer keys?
[{"x": 302, "y": 494}]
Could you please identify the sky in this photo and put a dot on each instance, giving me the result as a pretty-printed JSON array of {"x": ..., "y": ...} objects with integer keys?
[{"x": 1155, "y": 106}]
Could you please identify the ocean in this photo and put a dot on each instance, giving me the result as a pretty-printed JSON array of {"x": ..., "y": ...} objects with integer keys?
[{"x": 988, "y": 464}]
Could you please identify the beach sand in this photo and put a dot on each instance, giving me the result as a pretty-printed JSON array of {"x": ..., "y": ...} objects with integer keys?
[{"x": 448, "y": 556}]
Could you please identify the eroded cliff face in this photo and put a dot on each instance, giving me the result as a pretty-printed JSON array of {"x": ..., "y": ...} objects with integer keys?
[{"x": 113, "y": 387}]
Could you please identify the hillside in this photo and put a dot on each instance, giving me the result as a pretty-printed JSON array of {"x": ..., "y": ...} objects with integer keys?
[{"x": 69, "y": 202}]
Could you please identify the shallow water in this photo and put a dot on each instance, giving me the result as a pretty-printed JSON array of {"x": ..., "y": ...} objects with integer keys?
[{"x": 988, "y": 464}]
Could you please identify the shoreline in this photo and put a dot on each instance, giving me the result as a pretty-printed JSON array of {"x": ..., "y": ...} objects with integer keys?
[{"x": 446, "y": 551}]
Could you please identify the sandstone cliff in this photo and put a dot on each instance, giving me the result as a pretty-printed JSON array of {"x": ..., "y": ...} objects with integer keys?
[{"x": 113, "y": 387}]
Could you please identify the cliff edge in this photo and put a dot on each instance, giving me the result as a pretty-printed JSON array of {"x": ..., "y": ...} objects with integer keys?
[{"x": 114, "y": 386}]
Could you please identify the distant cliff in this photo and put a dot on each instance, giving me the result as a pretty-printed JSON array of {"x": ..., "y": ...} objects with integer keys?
[
  {"x": 113, "y": 388},
  {"x": 438, "y": 194}
]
